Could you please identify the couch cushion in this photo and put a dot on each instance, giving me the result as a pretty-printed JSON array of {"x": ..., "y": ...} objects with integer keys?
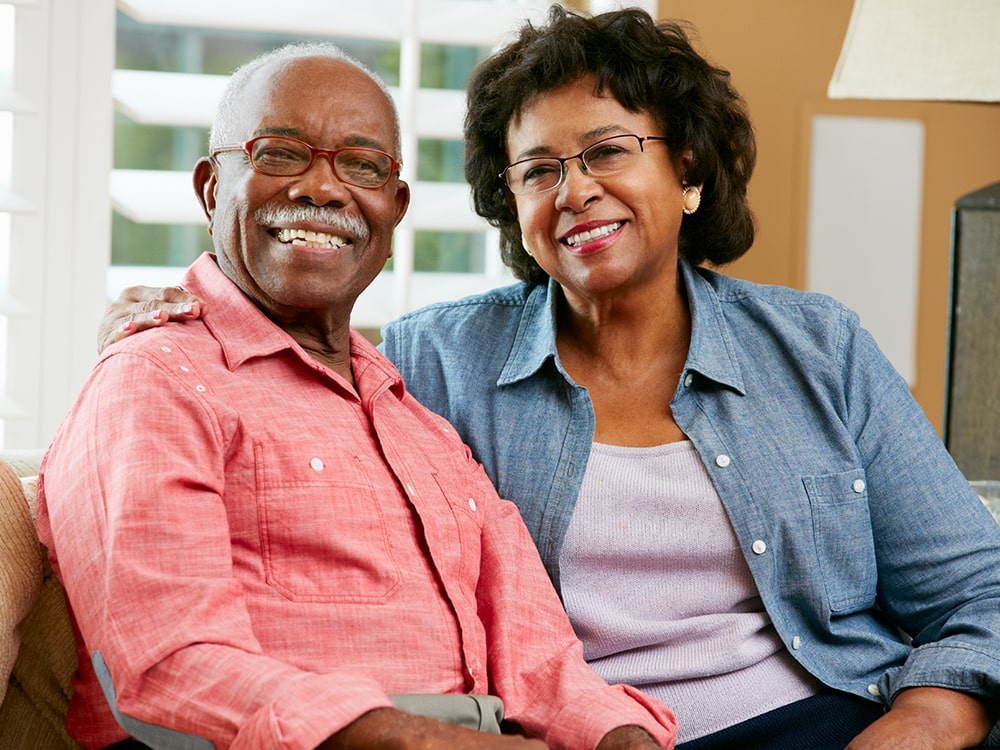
[
  {"x": 20, "y": 568},
  {"x": 37, "y": 648}
]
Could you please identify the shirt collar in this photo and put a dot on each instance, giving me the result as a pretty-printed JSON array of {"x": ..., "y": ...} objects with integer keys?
[
  {"x": 711, "y": 353},
  {"x": 535, "y": 341},
  {"x": 244, "y": 332}
]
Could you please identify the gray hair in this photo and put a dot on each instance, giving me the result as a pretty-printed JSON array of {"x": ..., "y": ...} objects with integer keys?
[{"x": 233, "y": 103}]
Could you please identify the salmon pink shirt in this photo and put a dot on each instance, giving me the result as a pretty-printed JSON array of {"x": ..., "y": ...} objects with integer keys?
[{"x": 261, "y": 553}]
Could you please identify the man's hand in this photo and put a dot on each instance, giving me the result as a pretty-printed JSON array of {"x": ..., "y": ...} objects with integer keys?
[
  {"x": 392, "y": 729},
  {"x": 629, "y": 738},
  {"x": 928, "y": 718},
  {"x": 140, "y": 307}
]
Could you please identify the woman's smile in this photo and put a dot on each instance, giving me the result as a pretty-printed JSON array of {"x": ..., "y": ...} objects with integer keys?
[{"x": 591, "y": 237}]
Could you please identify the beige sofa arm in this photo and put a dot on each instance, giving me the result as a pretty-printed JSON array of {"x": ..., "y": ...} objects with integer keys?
[
  {"x": 20, "y": 563},
  {"x": 37, "y": 648}
]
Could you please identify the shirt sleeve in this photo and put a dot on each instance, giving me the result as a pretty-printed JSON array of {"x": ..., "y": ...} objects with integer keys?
[
  {"x": 133, "y": 497},
  {"x": 536, "y": 661},
  {"x": 936, "y": 544}
]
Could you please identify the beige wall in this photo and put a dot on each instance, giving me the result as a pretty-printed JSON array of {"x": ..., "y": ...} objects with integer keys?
[{"x": 781, "y": 54}]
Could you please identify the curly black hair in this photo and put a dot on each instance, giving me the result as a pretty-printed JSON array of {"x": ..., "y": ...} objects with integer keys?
[{"x": 647, "y": 66}]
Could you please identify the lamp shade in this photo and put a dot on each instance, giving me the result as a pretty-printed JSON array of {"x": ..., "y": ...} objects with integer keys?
[{"x": 938, "y": 50}]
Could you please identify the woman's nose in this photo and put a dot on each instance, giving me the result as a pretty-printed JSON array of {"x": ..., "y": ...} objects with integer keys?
[{"x": 578, "y": 187}]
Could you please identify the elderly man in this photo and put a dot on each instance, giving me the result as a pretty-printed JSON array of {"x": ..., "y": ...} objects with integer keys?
[{"x": 261, "y": 533}]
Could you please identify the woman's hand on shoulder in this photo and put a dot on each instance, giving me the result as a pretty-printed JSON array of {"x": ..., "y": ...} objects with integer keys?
[
  {"x": 928, "y": 718},
  {"x": 140, "y": 307}
]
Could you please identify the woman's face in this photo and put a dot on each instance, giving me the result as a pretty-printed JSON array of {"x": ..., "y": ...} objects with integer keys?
[{"x": 597, "y": 236}]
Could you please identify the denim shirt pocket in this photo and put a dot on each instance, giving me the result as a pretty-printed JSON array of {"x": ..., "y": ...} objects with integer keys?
[{"x": 842, "y": 533}]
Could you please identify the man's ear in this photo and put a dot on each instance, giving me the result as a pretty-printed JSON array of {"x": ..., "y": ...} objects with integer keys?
[
  {"x": 205, "y": 182},
  {"x": 402, "y": 199}
]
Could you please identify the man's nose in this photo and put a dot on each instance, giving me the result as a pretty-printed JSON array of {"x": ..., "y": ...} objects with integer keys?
[{"x": 320, "y": 184}]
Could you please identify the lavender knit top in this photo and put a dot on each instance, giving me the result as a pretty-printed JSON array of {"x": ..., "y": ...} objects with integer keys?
[{"x": 661, "y": 596}]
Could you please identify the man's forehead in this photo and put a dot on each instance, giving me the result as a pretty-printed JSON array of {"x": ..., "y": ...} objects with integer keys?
[
  {"x": 323, "y": 90},
  {"x": 329, "y": 72}
]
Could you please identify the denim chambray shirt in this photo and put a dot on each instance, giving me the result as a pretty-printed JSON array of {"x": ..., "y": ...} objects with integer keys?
[{"x": 852, "y": 516}]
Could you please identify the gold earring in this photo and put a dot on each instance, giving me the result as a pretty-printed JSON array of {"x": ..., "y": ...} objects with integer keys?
[{"x": 691, "y": 199}]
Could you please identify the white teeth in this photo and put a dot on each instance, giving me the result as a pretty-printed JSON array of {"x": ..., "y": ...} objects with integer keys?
[
  {"x": 312, "y": 239},
  {"x": 593, "y": 234}
]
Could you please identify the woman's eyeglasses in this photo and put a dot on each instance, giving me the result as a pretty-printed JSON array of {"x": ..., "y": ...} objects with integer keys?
[{"x": 606, "y": 157}]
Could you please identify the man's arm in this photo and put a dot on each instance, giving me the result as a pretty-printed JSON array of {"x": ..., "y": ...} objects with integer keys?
[
  {"x": 536, "y": 660},
  {"x": 392, "y": 729},
  {"x": 132, "y": 510},
  {"x": 140, "y": 307}
]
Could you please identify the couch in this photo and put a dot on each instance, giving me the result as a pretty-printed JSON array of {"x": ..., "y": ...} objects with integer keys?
[{"x": 37, "y": 649}]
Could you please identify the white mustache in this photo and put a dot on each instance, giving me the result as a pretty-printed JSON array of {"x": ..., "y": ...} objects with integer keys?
[{"x": 350, "y": 225}]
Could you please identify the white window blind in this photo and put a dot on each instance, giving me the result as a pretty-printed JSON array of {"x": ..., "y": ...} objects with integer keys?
[
  {"x": 440, "y": 213},
  {"x": 96, "y": 148}
]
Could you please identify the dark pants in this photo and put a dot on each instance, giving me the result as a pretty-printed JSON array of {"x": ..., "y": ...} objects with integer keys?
[{"x": 828, "y": 721}]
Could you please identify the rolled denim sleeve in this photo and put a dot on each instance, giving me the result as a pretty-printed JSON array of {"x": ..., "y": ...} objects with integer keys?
[{"x": 936, "y": 544}]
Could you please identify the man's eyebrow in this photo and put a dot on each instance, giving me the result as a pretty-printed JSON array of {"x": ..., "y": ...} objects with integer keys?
[{"x": 351, "y": 140}]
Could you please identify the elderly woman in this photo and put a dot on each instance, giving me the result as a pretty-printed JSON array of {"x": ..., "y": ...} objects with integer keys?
[
  {"x": 736, "y": 495},
  {"x": 744, "y": 510}
]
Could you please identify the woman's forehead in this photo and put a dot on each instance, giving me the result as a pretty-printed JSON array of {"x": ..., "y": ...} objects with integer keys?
[{"x": 574, "y": 114}]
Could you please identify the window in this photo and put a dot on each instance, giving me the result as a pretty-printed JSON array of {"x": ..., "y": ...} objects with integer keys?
[
  {"x": 171, "y": 64},
  {"x": 55, "y": 153},
  {"x": 105, "y": 105}
]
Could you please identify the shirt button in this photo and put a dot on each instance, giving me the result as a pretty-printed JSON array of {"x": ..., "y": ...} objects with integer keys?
[
  {"x": 409, "y": 489},
  {"x": 759, "y": 547},
  {"x": 200, "y": 388},
  {"x": 858, "y": 486},
  {"x": 874, "y": 691},
  {"x": 165, "y": 349},
  {"x": 184, "y": 369},
  {"x": 722, "y": 460},
  {"x": 317, "y": 464},
  {"x": 688, "y": 380},
  {"x": 472, "y": 504},
  {"x": 796, "y": 642}
]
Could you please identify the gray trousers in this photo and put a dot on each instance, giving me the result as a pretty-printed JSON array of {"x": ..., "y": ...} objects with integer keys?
[{"x": 480, "y": 712}]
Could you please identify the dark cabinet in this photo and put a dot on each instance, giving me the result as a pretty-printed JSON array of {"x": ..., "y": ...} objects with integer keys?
[{"x": 972, "y": 399}]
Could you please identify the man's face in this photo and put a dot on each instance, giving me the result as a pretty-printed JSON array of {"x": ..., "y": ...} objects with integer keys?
[{"x": 311, "y": 243}]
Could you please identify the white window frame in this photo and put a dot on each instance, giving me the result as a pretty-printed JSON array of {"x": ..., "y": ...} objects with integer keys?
[{"x": 60, "y": 222}]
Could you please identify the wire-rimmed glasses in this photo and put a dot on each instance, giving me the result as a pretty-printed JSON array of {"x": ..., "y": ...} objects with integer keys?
[
  {"x": 281, "y": 156},
  {"x": 606, "y": 157}
]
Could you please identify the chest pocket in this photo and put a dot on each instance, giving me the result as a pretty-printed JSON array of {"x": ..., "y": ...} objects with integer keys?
[
  {"x": 842, "y": 532},
  {"x": 323, "y": 530}
]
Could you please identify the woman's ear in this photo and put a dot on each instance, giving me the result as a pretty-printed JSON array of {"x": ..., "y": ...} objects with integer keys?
[
  {"x": 685, "y": 163},
  {"x": 205, "y": 182}
]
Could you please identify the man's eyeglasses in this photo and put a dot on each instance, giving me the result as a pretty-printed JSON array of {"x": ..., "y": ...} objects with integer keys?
[
  {"x": 606, "y": 157},
  {"x": 278, "y": 156}
]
